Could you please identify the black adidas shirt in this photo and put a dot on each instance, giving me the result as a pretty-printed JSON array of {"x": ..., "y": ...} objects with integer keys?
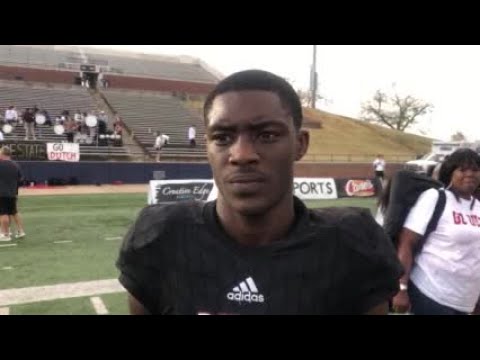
[{"x": 177, "y": 259}]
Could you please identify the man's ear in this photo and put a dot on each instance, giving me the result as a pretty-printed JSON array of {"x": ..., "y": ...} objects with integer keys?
[{"x": 303, "y": 140}]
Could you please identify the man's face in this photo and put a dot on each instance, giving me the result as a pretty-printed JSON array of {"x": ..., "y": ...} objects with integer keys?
[{"x": 251, "y": 146}]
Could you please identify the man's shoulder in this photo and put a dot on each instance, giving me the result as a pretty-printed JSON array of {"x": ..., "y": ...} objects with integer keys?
[
  {"x": 356, "y": 227},
  {"x": 338, "y": 216},
  {"x": 175, "y": 212},
  {"x": 158, "y": 222}
]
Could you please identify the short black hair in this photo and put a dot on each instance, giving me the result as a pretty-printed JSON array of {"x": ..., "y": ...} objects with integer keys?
[
  {"x": 459, "y": 158},
  {"x": 258, "y": 80}
]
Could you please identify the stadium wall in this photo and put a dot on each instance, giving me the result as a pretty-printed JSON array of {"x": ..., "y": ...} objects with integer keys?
[
  {"x": 39, "y": 75},
  {"x": 140, "y": 83},
  {"x": 89, "y": 173},
  {"x": 141, "y": 173},
  {"x": 116, "y": 81},
  {"x": 342, "y": 170}
]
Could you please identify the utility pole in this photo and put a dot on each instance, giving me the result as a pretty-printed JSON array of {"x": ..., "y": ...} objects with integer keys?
[{"x": 313, "y": 78}]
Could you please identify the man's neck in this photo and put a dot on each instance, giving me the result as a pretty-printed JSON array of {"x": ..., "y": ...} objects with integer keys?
[{"x": 257, "y": 229}]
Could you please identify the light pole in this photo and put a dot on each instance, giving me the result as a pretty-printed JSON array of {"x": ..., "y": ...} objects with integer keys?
[{"x": 313, "y": 78}]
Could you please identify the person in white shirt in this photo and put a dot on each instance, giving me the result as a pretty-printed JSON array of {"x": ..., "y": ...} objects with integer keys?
[
  {"x": 379, "y": 167},
  {"x": 11, "y": 115},
  {"x": 160, "y": 141},
  {"x": 443, "y": 277},
  {"x": 78, "y": 117},
  {"x": 192, "y": 134},
  {"x": 1, "y": 136}
]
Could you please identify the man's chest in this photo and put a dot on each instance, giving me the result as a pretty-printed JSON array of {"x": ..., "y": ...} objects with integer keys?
[{"x": 221, "y": 282}]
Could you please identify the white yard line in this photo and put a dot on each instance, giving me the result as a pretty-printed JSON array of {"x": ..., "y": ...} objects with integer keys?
[
  {"x": 7, "y": 245},
  {"x": 61, "y": 291},
  {"x": 4, "y": 311},
  {"x": 113, "y": 238},
  {"x": 99, "y": 306},
  {"x": 7, "y": 268},
  {"x": 63, "y": 242}
]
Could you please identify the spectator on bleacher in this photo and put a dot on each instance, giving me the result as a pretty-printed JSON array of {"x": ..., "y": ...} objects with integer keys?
[
  {"x": 70, "y": 129},
  {"x": 1, "y": 136},
  {"x": 116, "y": 117},
  {"x": 102, "y": 127},
  {"x": 11, "y": 115},
  {"x": 85, "y": 80},
  {"x": 118, "y": 125},
  {"x": 160, "y": 141},
  {"x": 78, "y": 117},
  {"x": 118, "y": 132},
  {"x": 35, "y": 110},
  {"x": 103, "y": 117},
  {"x": 83, "y": 128},
  {"x": 29, "y": 120},
  {"x": 48, "y": 119},
  {"x": 59, "y": 120},
  {"x": 192, "y": 134},
  {"x": 103, "y": 81},
  {"x": 92, "y": 131}
]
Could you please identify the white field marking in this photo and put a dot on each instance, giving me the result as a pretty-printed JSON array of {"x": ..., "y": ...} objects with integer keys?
[
  {"x": 62, "y": 207},
  {"x": 63, "y": 242},
  {"x": 7, "y": 268},
  {"x": 113, "y": 238},
  {"x": 4, "y": 311},
  {"x": 7, "y": 245},
  {"x": 61, "y": 291},
  {"x": 99, "y": 306}
]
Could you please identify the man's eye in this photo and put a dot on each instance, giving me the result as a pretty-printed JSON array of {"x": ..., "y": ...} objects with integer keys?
[
  {"x": 222, "y": 139},
  {"x": 268, "y": 136}
]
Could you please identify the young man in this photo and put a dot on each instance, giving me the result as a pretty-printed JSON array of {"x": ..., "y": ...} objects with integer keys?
[
  {"x": 192, "y": 134},
  {"x": 160, "y": 141},
  {"x": 9, "y": 180},
  {"x": 257, "y": 249},
  {"x": 379, "y": 167},
  {"x": 11, "y": 115}
]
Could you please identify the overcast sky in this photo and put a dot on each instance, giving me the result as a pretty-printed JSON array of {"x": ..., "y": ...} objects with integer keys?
[{"x": 446, "y": 76}]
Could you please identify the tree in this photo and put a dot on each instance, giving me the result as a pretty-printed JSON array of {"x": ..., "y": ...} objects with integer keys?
[
  {"x": 395, "y": 111},
  {"x": 458, "y": 136},
  {"x": 306, "y": 97}
]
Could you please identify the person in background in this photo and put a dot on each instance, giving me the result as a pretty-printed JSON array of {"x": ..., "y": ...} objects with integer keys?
[{"x": 443, "y": 276}]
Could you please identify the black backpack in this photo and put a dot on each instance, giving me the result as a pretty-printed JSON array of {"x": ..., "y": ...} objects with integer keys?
[{"x": 406, "y": 188}]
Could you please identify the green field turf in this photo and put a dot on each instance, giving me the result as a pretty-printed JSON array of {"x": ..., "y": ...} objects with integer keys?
[{"x": 94, "y": 224}]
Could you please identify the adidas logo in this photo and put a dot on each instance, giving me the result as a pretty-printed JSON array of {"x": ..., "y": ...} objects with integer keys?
[{"x": 246, "y": 291}]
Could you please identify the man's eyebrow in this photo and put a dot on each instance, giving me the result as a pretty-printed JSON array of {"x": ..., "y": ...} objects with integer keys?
[
  {"x": 225, "y": 126},
  {"x": 266, "y": 123},
  {"x": 258, "y": 123}
]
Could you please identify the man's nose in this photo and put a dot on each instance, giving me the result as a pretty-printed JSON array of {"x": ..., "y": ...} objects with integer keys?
[{"x": 243, "y": 151}]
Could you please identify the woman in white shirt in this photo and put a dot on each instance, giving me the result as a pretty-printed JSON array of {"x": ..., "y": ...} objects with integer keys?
[{"x": 443, "y": 278}]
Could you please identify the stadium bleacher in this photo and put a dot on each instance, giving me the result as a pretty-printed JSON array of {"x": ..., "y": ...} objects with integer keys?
[
  {"x": 131, "y": 64},
  {"x": 54, "y": 101},
  {"x": 144, "y": 113}
]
